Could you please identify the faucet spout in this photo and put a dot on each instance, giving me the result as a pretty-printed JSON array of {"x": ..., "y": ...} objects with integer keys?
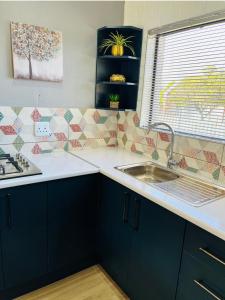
[{"x": 171, "y": 162}]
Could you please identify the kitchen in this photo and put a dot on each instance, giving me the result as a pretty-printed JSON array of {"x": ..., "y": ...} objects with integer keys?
[{"x": 112, "y": 161}]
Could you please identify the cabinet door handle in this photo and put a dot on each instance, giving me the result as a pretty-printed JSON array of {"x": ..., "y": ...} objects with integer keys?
[
  {"x": 212, "y": 256},
  {"x": 125, "y": 207},
  {"x": 136, "y": 213},
  {"x": 207, "y": 290},
  {"x": 9, "y": 210}
]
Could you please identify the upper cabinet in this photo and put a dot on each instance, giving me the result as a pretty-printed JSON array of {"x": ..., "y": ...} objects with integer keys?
[{"x": 118, "y": 53}]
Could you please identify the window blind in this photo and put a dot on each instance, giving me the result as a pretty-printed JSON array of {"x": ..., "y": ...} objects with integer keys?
[{"x": 184, "y": 80}]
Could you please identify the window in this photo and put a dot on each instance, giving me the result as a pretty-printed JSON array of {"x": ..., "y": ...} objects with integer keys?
[{"x": 184, "y": 82}]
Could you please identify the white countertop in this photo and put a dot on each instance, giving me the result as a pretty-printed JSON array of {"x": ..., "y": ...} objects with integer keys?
[
  {"x": 59, "y": 164},
  {"x": 55, "y": 165},
  {"x": 210, "y": 217}
]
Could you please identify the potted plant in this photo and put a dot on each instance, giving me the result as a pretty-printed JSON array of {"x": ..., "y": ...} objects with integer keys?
[
  {"x": 117, "y": 42},
  {"x": 114, "y": 101}
]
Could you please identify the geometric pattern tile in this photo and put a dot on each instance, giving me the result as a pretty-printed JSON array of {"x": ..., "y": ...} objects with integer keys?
[
  {"x": 58, "y": 124},
  {"x": 74, "y": 129},
  {"x": 197, "y": 157},
  {"x": 8, "y": 131},
  {"x": 92, "y": 124},
  {"x": 75, "y": 125},
  {"x": 222, "y": 175},
  {"x": 203, "y": 150}
]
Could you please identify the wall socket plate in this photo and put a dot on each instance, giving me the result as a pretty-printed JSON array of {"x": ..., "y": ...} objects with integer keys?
[{"x": 42, "y": 129}]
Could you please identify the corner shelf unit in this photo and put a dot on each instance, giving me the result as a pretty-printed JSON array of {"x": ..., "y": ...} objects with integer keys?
[{"x": 127, "y": 65}]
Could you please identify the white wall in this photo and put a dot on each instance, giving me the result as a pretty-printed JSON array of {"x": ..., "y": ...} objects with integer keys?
[
  {"x": 151, "y": 14},
  {"x": 78, "y": 22}
]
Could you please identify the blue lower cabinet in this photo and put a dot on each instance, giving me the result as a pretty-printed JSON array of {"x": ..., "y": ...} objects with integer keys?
[
  {"x": 140, "y": 243},
  {"x": 156, "y": 251},
  {"x": 3, "y": 223},
  {"x": 202, "y": 274},
  {"x": 24, "y": 234},
  {"x": 50, "y": 230},
  {"x": 71, "y": 223},
  {"x": 199, "y": 281},
  {"x": 205, "y": 247},
  {"x": 47, "y": 231},
  {"x": 1, "y": 275},
  {"x": 114, "y": 234}
]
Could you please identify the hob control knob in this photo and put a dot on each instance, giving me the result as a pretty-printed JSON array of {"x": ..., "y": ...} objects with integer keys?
[{"x": 27, "y": 164}]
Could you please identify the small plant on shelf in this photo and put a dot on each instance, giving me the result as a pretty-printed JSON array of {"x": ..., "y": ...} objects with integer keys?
[
  {"x": 117, "y": 42},
  {"x": 114, "y": 101}
]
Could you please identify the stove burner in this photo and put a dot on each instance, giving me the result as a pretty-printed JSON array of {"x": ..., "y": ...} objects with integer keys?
[
  {"x": 16, "y": 166},
  {"x": 14, "y": 163}
]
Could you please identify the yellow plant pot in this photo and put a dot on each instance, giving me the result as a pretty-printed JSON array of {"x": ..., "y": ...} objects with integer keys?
[
  {"x": 114, "y": 105},
  {"x": 117, "y": 78},
  {"x": 117, "y": 50}
]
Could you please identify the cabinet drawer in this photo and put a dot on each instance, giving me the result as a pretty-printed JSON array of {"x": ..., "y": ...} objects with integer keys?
[
  {"x": 207, "y": 248},
  {"x": 198, "y": 281}
]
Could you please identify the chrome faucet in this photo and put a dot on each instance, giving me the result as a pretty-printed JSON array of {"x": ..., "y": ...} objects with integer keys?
[{"x": 171, "y": 161}]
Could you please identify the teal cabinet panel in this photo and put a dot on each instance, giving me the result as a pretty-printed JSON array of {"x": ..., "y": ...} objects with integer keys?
[
  {"x": 71, "y": 222},
  {"x": 24, "y": 234},
  {"x": 114, "y": 234}
]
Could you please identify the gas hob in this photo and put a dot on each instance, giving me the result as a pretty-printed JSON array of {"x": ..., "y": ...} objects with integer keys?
[{"x": 16, "y": 166}]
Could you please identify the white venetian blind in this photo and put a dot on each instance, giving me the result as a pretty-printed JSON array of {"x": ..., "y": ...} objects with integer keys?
[{"x": 184, "y": 82}]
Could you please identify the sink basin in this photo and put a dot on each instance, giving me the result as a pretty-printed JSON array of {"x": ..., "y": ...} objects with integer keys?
[
  {"x": 148, "y": 172},
  {"x": 186, "y": 188}
]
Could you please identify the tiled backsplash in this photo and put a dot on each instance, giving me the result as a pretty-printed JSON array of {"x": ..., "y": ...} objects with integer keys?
[
  {"x": 71, "y": 128},
  {"x": 204, "y": 159},
  {"x": 75, "y": 128}
]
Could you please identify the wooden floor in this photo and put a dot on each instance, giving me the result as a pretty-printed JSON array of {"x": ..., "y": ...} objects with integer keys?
[{"x": 90, "y": 284}]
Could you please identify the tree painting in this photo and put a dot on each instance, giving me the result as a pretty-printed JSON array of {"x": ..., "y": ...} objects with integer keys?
[
  {"x": 205, "y": 92},
  {"x": 37, "y": 52}
]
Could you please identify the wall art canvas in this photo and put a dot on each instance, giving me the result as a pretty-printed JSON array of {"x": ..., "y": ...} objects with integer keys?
[{"x": 37, "y": 52}]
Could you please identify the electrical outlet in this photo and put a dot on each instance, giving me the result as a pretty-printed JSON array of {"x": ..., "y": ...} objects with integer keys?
[{"x": 42, "y": 129}]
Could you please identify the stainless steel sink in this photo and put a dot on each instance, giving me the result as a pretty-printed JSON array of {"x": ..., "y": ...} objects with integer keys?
[
  {"x": 189, "y": 189},
  {"x": 149, "y": 172}
]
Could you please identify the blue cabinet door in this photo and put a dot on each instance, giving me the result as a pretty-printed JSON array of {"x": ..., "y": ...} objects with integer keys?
[
  {"x": 140, "y": 243},
  {"x": 202, "y": 274},
  {"x": 71, "y": 223},
  {"x": 1, "y": 272},
  {"x": 156, "y": 251},
  {"x": 24, "y": 234},
  {"x": 2, "y": 225},
  {"x": 199, "y": 280},
  {"x": 114, "y": 233}
]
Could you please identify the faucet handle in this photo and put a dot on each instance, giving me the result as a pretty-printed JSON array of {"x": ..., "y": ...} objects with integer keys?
[{"x": 172, "y": 163}]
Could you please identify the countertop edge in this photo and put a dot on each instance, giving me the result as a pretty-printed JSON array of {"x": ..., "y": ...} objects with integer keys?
[{"x": 27, "y": 180}]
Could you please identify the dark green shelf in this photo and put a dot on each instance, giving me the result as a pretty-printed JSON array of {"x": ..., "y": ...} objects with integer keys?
[
  {"x": 122, "y": 27},
  {"x": 124, "y": 57},
  {"x": 127, "y": 65},
  {"x": 114, "y": 109}
]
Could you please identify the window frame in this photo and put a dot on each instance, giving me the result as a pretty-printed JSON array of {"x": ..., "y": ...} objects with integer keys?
[{"x": 155, "y": 33}]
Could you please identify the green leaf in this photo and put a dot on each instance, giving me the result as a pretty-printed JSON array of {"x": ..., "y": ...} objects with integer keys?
[{"x": 116, "y": 39}]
